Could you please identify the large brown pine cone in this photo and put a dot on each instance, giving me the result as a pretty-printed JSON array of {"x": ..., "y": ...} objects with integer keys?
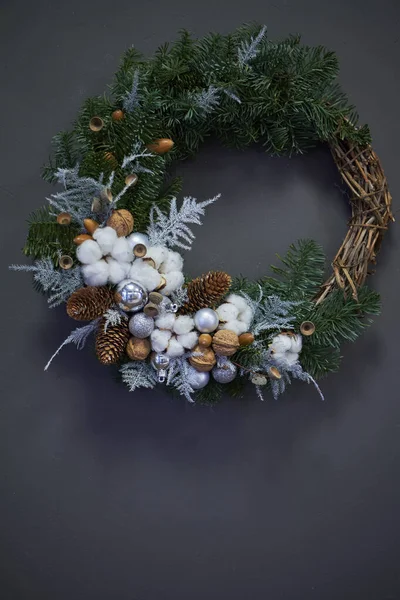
[
  {"x": 206, "y": 291},
  {"x": 111, "y": 344},
  {"x": 90, "y": 302}
]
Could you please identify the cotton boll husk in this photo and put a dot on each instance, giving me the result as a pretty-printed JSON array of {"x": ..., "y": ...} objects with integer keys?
[
  {"x": 89, "y": 252},
  {"x": 144, "y": 274},
  {"x": 106, "y": 238},
  {"x": 183, "y": 324},
  {"x": 174, "y": 280},
  {"x": 159, "y": 339},
  {"x": 237, "y": 326},
  {"x": 290, "y": 358},
  {"x": 174, "y": 349},
  {"x": 246, "y": 316},
  {"x": 238, "y": 301},
  {"x": 281, "y": 343},
  {"x": 296, "y": 343},
  {"x": 96, "y": 274},
  {"x": 157, "y": 253},
  {"x": 172, "y": 262},
  {"x": 227, "y": 312},
  {"x": 117, "y": 271},
  {"x": 166, "y": 321},
  {"x": 121, "y": 250},
  {"x": 189, "y": 340}
]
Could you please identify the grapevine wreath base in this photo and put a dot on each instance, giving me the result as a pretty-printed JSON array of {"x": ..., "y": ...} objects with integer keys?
[{"x": 106, "y": 243}]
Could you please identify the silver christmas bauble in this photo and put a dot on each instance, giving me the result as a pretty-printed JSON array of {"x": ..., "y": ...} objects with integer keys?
[
  {"x": 197, "y": 379},
  {"x": 206, "y": 320},
  {"x": 131, "y": 296},
  {"x": 141, "y": 325},
  {"x": 138, "y": 238},
  {"x": 160, "y": 362},
  {"x": 225, "y": 373}
]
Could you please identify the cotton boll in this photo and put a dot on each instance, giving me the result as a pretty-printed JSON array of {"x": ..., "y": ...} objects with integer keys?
[
  {"x": 106, "y": 238},
  {"x": 183, "y": 324},
  {"x": 237, "y": 326},
  {"x": 189, "y": 340},
  {"x": 96, "y": 274},
  {"x": 166, "y": 321},
  {"x": 117, "y": 271},
  {"x": 227, "y": 312},
  {"x": 174, "y": 349},
  {"x": 175, "y": 280},
  {"x": 157, "y": 253},
  {"x": 88, "y": 252},
  {"x": 238, "y": 301},
  {"x": 279, "y": 357},
  {"x": 291, "y": 358},
  {"x": 246, "y": 316},
  {"x": 172, "y": 262},
  {"x": 144, "y": 274},
  {"x": 281, "y": 343},
  {"x": 296, "y": 343},
  {"x": 159, "y": 340},
  {"x": 121, "y": 250}
]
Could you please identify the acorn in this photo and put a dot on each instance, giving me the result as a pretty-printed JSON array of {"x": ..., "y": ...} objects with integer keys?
[
  {"x": 205, "y": 340},
  {"x": 90, "y": 225},
  {"x": 139, "y": 250},
  {"x": 307, "y": 328},
  {"x": 149, "y": 261},
  {"x": 64, "y": 218},
  {"x": 151, "y": 310},
  {"x": 131, "y": 179},
  {"x": 117, "y": 115},
  {"x": 156, "y": 297},
  {"x": 109, "y": 156},
  {"x": 96, "y": 123},
  {"x": 246, "y": 339},
  {"x": 161, "y": 145},
  {"x": 82, "y": 237},
  {"x": 65, "y": 262},
  {"x": 163, "y": 283},
  {"x": 274, "y": 373}
]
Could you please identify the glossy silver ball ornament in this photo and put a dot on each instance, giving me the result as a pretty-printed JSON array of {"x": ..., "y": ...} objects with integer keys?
[
  {"x": 141, "y": 325},
  {"x": 224, "y": 373},
  {"x": 206, "y": 320},
  {"x": 131, "y": 296},
  {"x": 138, "y": 238},
  {"x": 197, "y": 379},
  {"x": 160, "y": 362}
]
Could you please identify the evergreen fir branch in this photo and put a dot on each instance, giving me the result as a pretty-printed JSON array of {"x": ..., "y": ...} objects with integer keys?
[
  {"x": 138, "y": 374},
  {"x": 210, "y": 394},
  {"x": 319, "y": 360},
  {"x": 78, "y": 337}
]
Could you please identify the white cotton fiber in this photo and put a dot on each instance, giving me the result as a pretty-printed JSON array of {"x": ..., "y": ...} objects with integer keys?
[
  {"x": 96, "y": 274},
  {"x": 157, "y": 253},
  {"x": 175, "y": 280},
  {"x": 237, "y": 326},
  {"x": 174, "y": 349},
  {"x": 88, "y": 252},
  {"x": 117, "y": 271},
  {"x": 246, "y": 316},
  {"x": 227, "y": 312},
  {"x": 296, "y": 343},
  {"x": 238, "y": 301},
  {"x": 290, "y": 358},
  {"x": 144, "y": 274},
  {"x": 121, "y": 250},
  {"x": 281, "y": 343},
  {"x": 159, "y": 340},
  {"x": 183, "y": 324},
  {"x": 172, "y": 262},
  {"x": 165, "y": 321},
  {"x": 189, "y": 340},
  {"x": 105, "y": 237}
]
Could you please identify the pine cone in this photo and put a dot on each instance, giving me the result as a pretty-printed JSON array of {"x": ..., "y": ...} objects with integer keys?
[
  {"x": 90, "y": 302},
  {"x": 206, "y": 291},
  {"x": 111, "y": 344}
]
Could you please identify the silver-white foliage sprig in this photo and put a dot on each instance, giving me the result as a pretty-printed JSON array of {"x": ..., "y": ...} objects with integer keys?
[
  {"x": 172, "y": 229},
  {"x": 138, "y": 374},
  {"x": 270, "y": 313},
  {"x": 207, "y": 100},
  {"x": 180, "y": 296},
  {"x": 131, "y": 99},
  {"x": 132, "y": 160},
  {"x": 78, "y": 337},
  {"x": 113, "y": 317},
  {"x": 249, "y": 50},
  {"x": 178, "y": 375},
  {"x": 60, "y": 283}
]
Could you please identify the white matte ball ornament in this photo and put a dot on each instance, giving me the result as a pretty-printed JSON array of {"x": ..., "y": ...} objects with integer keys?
[
  {"x": 206, "y": 320},
  {"x": 141, "y": 325},
  {"x": 137, "y": 238},
  {"x": 197, "y": 379},
  {"x": 226, "y": 373},
  {"x": 133, "y": 296}
]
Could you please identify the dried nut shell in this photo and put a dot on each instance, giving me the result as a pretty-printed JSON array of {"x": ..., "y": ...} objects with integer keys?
[
  {"x": 79, "y": 239},
  {"x": 96, "y": 123},
  {"x": 204, "y": 359},
  {"x": 66, "y": 262},
  {"x": 246, "y": 339},
  {"x": 64, "y": 218},
  {"x": 139, "y": 250},
  {"x": 307, "y": 328},
  {"x": 138, "y": 349},
  {"x": 151, "y": 310},
  {"x": 122, "y": 221},
  {"x": 161, "y": 146},
  {"x": 225, "y": 342},
  {"x": 205, "y": 340},
  {"x": 90, "y": 225}
]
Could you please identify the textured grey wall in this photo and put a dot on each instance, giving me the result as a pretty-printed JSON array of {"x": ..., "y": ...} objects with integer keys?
[{"x": 104, "y": 494}]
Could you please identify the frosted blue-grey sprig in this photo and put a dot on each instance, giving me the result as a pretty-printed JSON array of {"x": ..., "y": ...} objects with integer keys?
[
  {"x": 178, "y": 376},
  {"x": 249, "y": 50},
  {"x": 78, "y": 337},
  {"x": 207, "y": 99},
  {"x": 270, "y": 313},
  {"x": 113, "y": 317},
  {"x": 228, "y": 92},
  {"x": 131, "y": 100},
  {"x": 138, "y": 374},
  {"x": 172, "y": 229},
  {"x": 132, "y": 160}
]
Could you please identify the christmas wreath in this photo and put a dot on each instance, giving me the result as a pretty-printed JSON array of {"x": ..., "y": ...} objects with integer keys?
[{"x": 105, "y": 243}]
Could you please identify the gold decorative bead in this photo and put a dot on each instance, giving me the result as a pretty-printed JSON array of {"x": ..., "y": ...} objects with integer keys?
[
  {"x": 307, "y": 328},
  {"x": 79, "y": 239},
  {"x": 225, "y": 342},
  {"x": 246, "y": 339},
  {"x": 138, "y": 349},
  {"x": 204, "y": 359},
  {"x": 161, "y": 146},
  {"x": 122, "y": 221},
  {"x": 131, "y": 179},
  {"x": 151, "y": 310},
  {"x": 96, "y": 123},
  {"x": 64, "y": 218},
  {"x": 139, "y": 250},
  {"x": 117, "y": 115},
  {"x": 66, "y": 262},
  {"x": 205, "y": 340},
  {"x": 274, "y": 373},
  {"x": 90, "y": 225}
]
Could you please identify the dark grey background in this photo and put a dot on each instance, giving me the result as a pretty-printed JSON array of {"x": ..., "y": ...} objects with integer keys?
[{"x": 110, "y": 495}]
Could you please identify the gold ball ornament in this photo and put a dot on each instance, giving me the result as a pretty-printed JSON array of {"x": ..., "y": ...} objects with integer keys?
[
  {"x": 205, "y": 340},
  {"x": 246, "y": 339},
  {"x": 64, "y": 218},
  {"x": 90, "y": 225},
  {"x": 307, "y": 328},
  {"x": 138, "y": 349},
  {"x": 204, "y": 359},
  {"x": 161, "y": 146},
  {"x": 117, "y": 115},
  {"x": 225, "y": 342},
  {"x": 122, "y": 221},
  {"x": 79, "y": 239},
  {"x": 96, "y": 124},
  {"x": 66, "y": 262}
]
